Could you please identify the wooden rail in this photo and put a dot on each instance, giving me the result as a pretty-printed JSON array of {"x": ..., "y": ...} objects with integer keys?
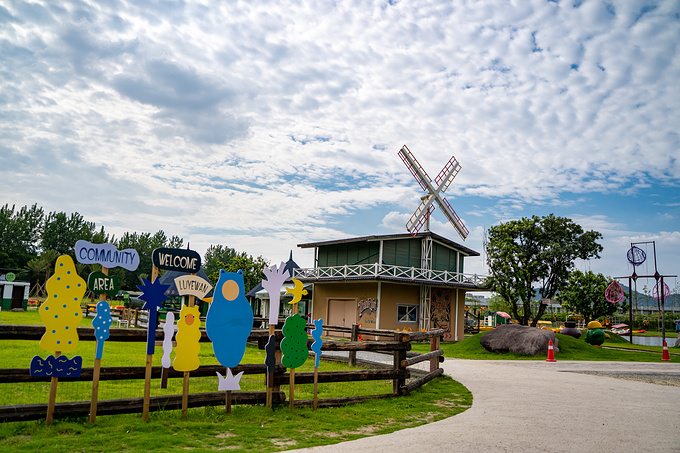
[
  {"x": 25, "y": 412},
  {"x": 399, "y": 345}
]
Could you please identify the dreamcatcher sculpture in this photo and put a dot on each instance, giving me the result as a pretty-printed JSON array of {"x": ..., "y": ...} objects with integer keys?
[
  {"x": 636, "y": 256},
  {"x": 614, "y": 292},
  {"x": 656, "y": 293}
]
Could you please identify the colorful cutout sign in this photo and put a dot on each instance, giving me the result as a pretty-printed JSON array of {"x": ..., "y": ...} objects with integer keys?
[
  {"x": 154, "y": 295},
  {"x": 275, "y": 279},
  {"x": 101, "y": 323},
  {"x": 188, "y": 336},
  {"x": 56, "y": 366},
  {"x": 168, "y": 333},
  {"x": 294, "y": 343},
  {"x": 61, "y": 312},
  {"x": 318, "y": 342},
  {"x": 229, "y": 382},
  {"x": 230, "y": 319},
  {"x": 107, "y": 255},
  {"x": 100, "y": 283},
  {"x": 181, "y": 260},
  {"x": 192, "y": 285},
  {"x": 297, "y": 291}
]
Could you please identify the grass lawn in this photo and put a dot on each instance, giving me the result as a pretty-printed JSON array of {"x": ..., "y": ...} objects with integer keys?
[
  {"x": 247, "y": 428},
  {"x": 570, "y": 349}
]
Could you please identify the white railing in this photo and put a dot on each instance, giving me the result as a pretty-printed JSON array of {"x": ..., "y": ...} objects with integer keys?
[{"x": 368, "y": 271}]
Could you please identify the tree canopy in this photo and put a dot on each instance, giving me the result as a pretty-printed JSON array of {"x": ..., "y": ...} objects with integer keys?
[
  {"x": 19, "y": 235},
  {"x": 584, "y": 294},
  {"x": 534, "y": 256},
  {"x": 31, "y": 240},
  {"x": 252, "y": 269}
]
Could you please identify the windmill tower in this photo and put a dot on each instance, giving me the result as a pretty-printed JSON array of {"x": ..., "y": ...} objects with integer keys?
[{"x": 422, "y": 215}]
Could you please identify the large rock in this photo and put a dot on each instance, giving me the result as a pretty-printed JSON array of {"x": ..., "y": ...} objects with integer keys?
[{"x": 519, "y": 339}]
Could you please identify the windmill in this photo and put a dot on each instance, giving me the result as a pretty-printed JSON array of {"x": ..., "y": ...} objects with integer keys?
[{"x": 434, "y": 193}]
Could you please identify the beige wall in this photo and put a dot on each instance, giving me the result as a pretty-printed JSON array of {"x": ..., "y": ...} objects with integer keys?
[
  {"x": 344, "y": 290},
  {"x": 391, "y": 294}
]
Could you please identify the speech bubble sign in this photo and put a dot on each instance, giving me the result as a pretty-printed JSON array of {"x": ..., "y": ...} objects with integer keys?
[
  {"x": 181, "y": 260},
  {"x": 99, "y": 283},
  {"x": 107, "y": 255}
]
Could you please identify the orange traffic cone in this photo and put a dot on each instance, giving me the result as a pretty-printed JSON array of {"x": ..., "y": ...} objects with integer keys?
[
  {"x": 666, "y": 357},
  {"x": 551, "y": 352}
]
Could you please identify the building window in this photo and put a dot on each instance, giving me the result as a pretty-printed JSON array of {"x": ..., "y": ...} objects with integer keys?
[{"x": 407, "y": 313}]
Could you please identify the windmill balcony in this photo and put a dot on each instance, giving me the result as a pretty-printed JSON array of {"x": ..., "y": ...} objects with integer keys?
[{"x": 377, "y": 271}]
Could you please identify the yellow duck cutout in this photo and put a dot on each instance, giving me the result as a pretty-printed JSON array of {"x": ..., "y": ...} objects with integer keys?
[{"x": 188, "y": 336}]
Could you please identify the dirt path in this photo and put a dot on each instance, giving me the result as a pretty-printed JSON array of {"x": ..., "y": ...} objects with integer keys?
[{"x": 558, "y": 407}]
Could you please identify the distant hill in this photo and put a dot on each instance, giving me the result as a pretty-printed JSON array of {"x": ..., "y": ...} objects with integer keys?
[{"x": 649, "y": 303}]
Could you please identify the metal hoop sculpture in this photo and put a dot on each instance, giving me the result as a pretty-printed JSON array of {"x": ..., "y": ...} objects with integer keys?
[
  {"x": 636, "y": 256},
  {"x": 614, "y": 293},
  {"x": 666, "y": 291}
]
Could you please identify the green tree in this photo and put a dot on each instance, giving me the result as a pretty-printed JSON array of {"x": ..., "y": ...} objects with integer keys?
[
  {"x": 252, "y": 269},
  {"x": 19, "y": 235},
  {"x": 216, "y": 256},
  {"x": 61, "y": 232},
  {"x": 535, "y": 251},
  {"x": 584, "y": 294},
  {"x": 144, "y": 244},
  {"x": 497, "y": 303}
]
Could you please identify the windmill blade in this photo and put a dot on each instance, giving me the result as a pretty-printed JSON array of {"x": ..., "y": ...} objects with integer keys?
[
  {"x": 444, "y": 178},
  {"x": 415, "y": 168},
  {"x": 418, "y": 219},
  {"x": 453, "y": 217}
]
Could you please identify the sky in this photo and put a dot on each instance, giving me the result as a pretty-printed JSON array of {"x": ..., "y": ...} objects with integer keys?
[{"x": 260, "y": 125}]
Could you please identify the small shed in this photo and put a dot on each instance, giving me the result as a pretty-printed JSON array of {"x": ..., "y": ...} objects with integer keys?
[{"x": 14, "y": 293}]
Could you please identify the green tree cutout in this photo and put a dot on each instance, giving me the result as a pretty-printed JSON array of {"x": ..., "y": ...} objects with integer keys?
[
  {"x": 535, "y": 251},
  {"x": 584, "y": 294}
]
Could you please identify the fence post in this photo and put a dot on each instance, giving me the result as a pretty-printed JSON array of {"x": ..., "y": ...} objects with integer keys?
[
  {"x": 399, "y": 355},
  {"x": 434, "y": 345},
  {"x": 352, "y": 361}
]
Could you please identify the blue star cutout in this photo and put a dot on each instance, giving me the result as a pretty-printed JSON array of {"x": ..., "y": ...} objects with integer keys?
[{"x": 153, "y": 294}]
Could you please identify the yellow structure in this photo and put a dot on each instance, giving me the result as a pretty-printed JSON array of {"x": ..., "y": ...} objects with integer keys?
[
  {"x": 61, "y": 312},
  {"x": 188, "y": 336}
]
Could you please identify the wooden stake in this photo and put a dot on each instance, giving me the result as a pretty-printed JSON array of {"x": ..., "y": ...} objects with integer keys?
[
  {"x": 147, "y": 388},
  {"x": 316, "y": 382},
  {"x": 291, "y": 391},
  {"x": 95, "y": 390},
  {"x": 185, "y": 387},
  {"x": 149, "y": 361},
  {"x": 164, "y": 377},
  {"x": 53, "y": 396},
  {"x": 185, "y": 394},
  {"x": 270, "y": 376},
  {"x": 97, "y": 367},
  {"x": 228, "y": 402}
]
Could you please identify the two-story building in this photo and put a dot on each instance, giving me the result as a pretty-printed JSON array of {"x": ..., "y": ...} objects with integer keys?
[{"x": 392, "y": 282}]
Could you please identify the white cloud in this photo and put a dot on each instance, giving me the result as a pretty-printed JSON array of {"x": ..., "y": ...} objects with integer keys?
[{"x": 278, "y": 121}]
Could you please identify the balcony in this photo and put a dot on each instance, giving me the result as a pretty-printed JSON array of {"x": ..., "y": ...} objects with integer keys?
[{"x": 388, "y": 272}]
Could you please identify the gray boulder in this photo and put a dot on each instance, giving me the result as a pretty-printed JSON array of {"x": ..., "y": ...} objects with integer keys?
[{"x": 519, "y": 339}]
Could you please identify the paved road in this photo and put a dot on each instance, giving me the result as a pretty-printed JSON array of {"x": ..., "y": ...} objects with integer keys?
[{"x": 533, "y": 406}]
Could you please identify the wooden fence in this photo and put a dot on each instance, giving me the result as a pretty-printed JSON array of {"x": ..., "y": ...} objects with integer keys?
[{"x": 395, "y": 343}]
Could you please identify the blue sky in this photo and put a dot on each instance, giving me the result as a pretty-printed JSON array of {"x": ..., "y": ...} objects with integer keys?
[{"x": 261, "y": 125}]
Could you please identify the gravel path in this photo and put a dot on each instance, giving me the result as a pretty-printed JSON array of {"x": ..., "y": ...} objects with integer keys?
[{"x": 558, "y": 407}]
